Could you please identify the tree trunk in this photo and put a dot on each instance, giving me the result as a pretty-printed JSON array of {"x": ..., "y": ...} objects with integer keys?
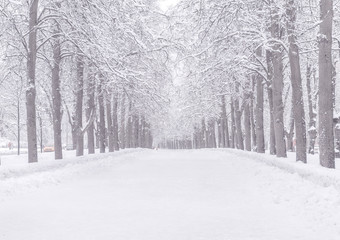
[
  {"x": 115, "y": 123},
  {"x": 204, "y": 134},
  {"x": 96, "y": 130},
  {"x": 224, "y": 125},
  {"x": 56, "y": 96},
  {"x": 101, "y": 116},
  {"x": 18, "y": 112},
  {"x": 298, "y": 109},
  {"x": 90, "y": 106},
  {"x": 212, "y": 136},
  {"x": 41, "y": 134},
  {"x": 122, "y": 123},
  {"x": 252, "y": 118},
  {"x": 232, "y": 110},
  {"x": 219, "y": 130},
  {"x": 129, "y": 128},
  {"x": 31, "y": 91},
  {"x": 272, "y": 147},
  {"x": 74, "y": 136},
  {"x": 148, "y": 137},
  {"x": 110, "y": 127},
  {"x": 260, "y": 147},
  {"x": 247, "y": 127},
  {"x": 278, "y": 105},
  {"x": 227, "y": 141},
  {"x": 326, "y": 135},
  {"x": 277, "y": 85},
  {"x": 290, "y": 134},
  {"x": 143, "y": 138},
  {"x": 312, "y": 112},
  {"x": 239, "y": 134},
  {"x": 79, "y": 106},
  {"x": 136, "y": 132}
]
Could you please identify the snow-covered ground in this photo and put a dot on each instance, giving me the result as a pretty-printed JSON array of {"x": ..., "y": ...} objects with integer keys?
[
  {"x": 154, "y": 195},
  {"x": 13, "y": 151}
]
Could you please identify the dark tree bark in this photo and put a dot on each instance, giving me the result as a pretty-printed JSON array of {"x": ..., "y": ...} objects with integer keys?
[
  {"x": 247, "y": 127},
  {"x": 277, "y": 85},
  {"x": 204, "y": 134},
  {"x": 18, "y": 123},
  {"x": 239, "y": 134},
  {"x": 136, "y": 131},
  {"x": 115, "y": 123},
  {"x": 312, "y": 132},
  {"x": 110, "y": 127},
  {"x": 148, "y": 136},
  {"x": 221, "y": 124},
  {"x": 79, "y": 106},
  {"x": 227, "y": 138},
  {"x": 326, "y": 134},
  {"x": 41, "y": 133},
  {"x": 294, "y": 59},
  {"x": 219, "y": 130},
  {"x": 260, "y": 148},
  {"x": 233, "y": 128},
  {"x": 212, "y": 137},
  {"x": 71, "y": 119},
  {"x": 252, "y": 118},
  {"x": 74, "y": 133},
  {"x": 290, "y": 134},
  {"x": 122, "y": 123},
  {"x": 143, "y": 133},
  {"x": 272, "y": 147},
  {"x": 140, "y": 133},
  {"x": 96, "y": 132},
  {"x": 31, "y": 90},
  {"x": 101, "y": 116},
  {"x": 90, "y": 107},
  {"x": 128, "y": 143},
  {"x": 224, "y": 125},
  {"x": 56, "y": 96}
]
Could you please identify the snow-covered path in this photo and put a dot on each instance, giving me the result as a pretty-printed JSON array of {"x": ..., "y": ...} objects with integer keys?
[{"x": 175, "y": 195}]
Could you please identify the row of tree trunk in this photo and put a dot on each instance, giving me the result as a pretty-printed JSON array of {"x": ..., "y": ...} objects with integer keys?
[
  {"x": 103, "y": 128},
  {"x": 101, "y": 104},
  {"x": 252, "y": 136}
]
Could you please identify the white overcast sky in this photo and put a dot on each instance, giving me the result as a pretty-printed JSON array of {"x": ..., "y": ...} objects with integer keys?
[{"x": 165, "y": 4}]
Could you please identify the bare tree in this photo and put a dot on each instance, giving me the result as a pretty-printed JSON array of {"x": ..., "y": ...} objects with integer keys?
[
  {"x": 90, "y": 108},
  {"x": 101, "y": 115},
  {"x": 115, "y": 122},
  {"x": 110, "y": 126},
  {"x": 270, "y": 75},
  {"x": 239, "y": 133},
  {"x": 56, "y": 96},
  {"x": 31, "y": 90},
  {"x": 298, "y": 105},
  {"x": 233, "y": 127},
  {"x": 79, "y": 105},
  {"x": 247, "y": 126},
  {"x": 326, "y": 134},
  {"x": 277, "y": 85},
  {"x": 312, "y": 132},
  {"x": 122, "y": 122},
  {"x": 252, "y": 117}
]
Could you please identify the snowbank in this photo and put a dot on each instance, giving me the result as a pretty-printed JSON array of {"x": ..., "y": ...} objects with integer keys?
[
  {"x": 311, "y": 171},
  {"x": 16, "y": 175}
]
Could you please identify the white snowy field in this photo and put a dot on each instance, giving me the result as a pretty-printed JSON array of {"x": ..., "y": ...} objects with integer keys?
[{"x": 171, "y": 195}]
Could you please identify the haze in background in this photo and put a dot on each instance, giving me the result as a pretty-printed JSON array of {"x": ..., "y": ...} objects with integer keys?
[{"x": 166, "y": 4}]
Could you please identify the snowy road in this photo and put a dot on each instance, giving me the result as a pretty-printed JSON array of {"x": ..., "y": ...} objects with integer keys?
[{"x": 175, "y": 195}]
